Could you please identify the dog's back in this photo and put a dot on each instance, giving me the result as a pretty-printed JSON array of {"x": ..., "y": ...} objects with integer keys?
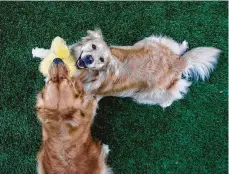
[{"x": 155, "y": 65}]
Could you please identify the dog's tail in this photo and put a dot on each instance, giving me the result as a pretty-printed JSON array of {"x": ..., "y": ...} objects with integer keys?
[{"x": 200, "y": 62}]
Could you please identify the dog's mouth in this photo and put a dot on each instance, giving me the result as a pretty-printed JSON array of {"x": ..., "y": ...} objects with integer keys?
[{"x": 80, "y": 64}]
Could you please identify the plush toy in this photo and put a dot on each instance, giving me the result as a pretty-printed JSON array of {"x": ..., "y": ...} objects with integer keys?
[{"x": 59, "y": 49}]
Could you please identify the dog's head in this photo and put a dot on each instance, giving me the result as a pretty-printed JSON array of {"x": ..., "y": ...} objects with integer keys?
[
  {"x": 61, "y": 102},
  {"x": 93, "y": 52}
]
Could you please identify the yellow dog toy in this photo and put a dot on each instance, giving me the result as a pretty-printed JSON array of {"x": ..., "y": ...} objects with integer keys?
[{"x": 59, "y": 49}]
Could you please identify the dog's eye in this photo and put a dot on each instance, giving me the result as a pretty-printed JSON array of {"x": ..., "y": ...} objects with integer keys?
[
  {"x": 93, "y": 46},
  {"x": 101, "y": 59}
]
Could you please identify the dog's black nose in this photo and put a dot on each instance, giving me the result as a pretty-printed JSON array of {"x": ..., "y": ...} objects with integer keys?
[
  {"x": 88, "y": 59},
  {"x": 57, "y": 61}
]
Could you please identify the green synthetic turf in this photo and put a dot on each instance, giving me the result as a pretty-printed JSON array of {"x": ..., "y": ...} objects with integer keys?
[{"x": 188, "y": 137}]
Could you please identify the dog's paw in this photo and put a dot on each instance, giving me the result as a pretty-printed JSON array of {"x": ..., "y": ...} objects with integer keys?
[
  {"x": 105, "y": 151},
  {"x": 183, "y": 47},
  {"x": 166, "y": 104},
  {"x": 185, "y": 44}
]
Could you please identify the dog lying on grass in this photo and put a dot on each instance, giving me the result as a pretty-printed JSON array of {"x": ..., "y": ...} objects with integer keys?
[
  {"x": 67, "y": 144},
  {"x": 155, "y": 70}
]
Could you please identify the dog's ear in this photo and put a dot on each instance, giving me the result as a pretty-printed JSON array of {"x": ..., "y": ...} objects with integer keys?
[{"x": 95, "y": 33}]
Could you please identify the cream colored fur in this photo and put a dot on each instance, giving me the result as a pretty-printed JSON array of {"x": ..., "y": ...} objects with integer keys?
[{"x": 199, "y": 62}]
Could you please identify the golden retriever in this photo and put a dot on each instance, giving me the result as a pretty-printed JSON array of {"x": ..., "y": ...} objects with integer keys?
[
  {"x": 155, "y": 70},
  {"x": 67, "y": 145}
]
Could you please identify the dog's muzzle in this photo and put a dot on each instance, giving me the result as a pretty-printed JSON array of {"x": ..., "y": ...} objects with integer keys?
[{"x": 83, "y": 62}]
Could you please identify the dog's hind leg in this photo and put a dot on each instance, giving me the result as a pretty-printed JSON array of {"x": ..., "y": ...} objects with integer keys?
[
  {"x": 40, "y": 52},
  {"x": 183, "y": 47},
  {"x": 153, "y": 97},
  {"x": 176, "y": 92},
  {"x": 40, "y": 167},
  {"x": 164, "y": 97},
  {"x": 105, "y": 151}
]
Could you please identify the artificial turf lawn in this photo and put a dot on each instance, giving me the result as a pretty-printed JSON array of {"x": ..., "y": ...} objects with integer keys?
[{"x": 188, "y": 137}]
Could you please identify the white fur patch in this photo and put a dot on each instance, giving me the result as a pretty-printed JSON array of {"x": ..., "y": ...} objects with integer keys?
[
  {"x": 105, "y": 150},
  {"x": 104, "y": 153},
  {"x": 40, "y": 169}
]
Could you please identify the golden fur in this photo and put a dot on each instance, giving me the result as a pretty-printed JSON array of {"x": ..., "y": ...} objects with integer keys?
[
  {"x": 141, "y": 70},
  {"x": 67, "y": 145},
  {"x": 150, "y": 71}
]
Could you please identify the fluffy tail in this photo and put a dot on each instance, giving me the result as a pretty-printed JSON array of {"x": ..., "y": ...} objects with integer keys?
[{"x": 200, "y": 62}]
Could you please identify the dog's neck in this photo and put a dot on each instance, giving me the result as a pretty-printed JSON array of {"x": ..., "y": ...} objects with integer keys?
[
  {"x": 119, "y": 53},
  {"x": 115, "y": 62}
]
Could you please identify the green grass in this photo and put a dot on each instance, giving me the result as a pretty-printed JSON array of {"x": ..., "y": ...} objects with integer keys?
[{"x": 188, "y": 137}]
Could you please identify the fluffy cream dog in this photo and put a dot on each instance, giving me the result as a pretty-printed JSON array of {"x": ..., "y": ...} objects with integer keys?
[{"x": 155, "y": 70}]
